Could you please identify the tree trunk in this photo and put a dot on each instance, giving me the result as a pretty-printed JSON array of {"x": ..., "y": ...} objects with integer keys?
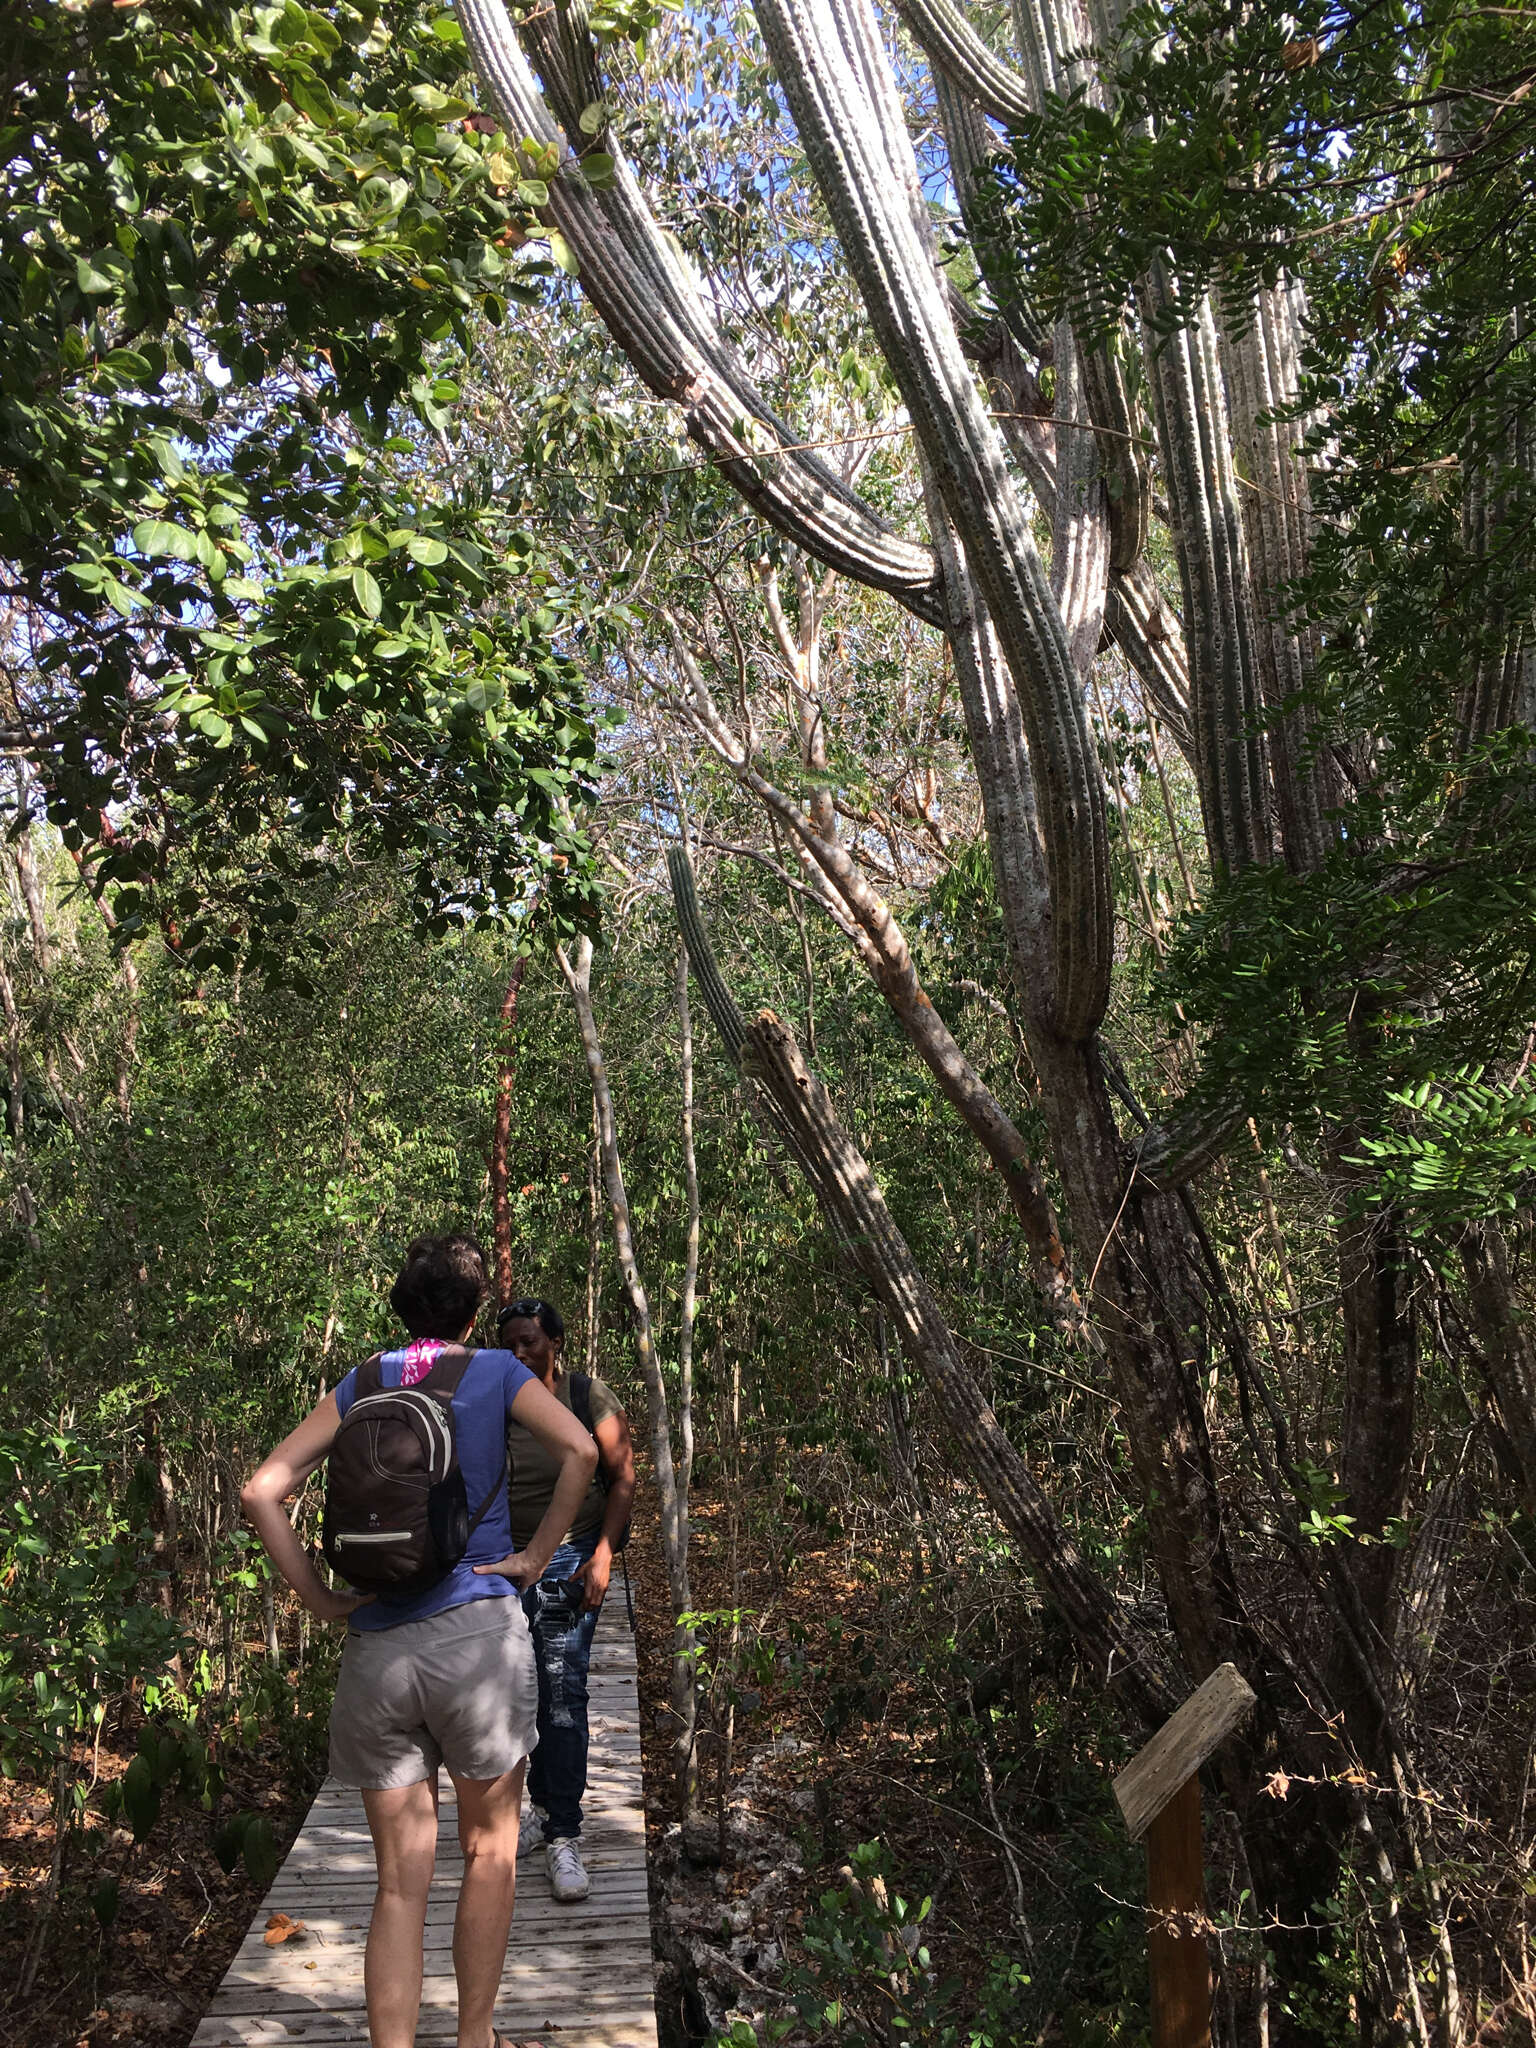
[
  {"x": 1508, "y": 1344},
  {"x": 689, "y": 1301},
  {"x": 594, "y": 1248},
  {"x": 684, "y": 1685},
  {"x": 1498, "y": 464},
  {"x": 269, "y": 1623},
  {"x": 501, "y": 1136},
  {"x": 1141, "y": 1282},
  {"x": 130, "y": 975},
  {"x": 906, "y": 1476},
  {"x": 865, "y": 915},
  {"x": 32, "y": 894},
  {"x": 671, "y": 1495},
  {"x": 843, "y": 1183},
  {"x": 16, "y": 1109}
]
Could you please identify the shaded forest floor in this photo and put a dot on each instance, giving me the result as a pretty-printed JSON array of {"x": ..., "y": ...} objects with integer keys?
[
  {"x": 980, "y": 1780},
  {"x": 147, "y": 1981}
]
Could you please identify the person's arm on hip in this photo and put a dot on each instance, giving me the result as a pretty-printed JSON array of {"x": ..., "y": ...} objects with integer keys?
[
  {"x": 617, "y": 1450},
  {"x": 281, "y": 1473},
  {"x": 556, "y": 1428}
]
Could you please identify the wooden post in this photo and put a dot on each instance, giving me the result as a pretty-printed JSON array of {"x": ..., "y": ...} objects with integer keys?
[
  {"x": 1177, "y": 1960},
  {"x": 1159, "y": 1795}
]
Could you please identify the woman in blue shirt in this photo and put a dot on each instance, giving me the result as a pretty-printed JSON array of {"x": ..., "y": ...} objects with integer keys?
[{"x": 442, "y": 1677}]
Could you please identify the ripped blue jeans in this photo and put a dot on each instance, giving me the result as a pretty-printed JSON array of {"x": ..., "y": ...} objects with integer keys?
[{"x": 562, "y": 1645}]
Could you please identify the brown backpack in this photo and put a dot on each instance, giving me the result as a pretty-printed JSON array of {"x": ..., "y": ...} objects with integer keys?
[{"x": 397, "y": 1517}]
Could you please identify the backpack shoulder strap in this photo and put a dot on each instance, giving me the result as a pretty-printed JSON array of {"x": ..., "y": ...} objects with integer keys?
[
  {"x": 368, "y": 1379},
  {"x": 448, "y": 1368},
  {"x": 580, "y": 1384}
]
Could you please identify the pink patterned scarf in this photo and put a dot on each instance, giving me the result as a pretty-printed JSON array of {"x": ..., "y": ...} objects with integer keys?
[{"x": 420, "y": 1357}]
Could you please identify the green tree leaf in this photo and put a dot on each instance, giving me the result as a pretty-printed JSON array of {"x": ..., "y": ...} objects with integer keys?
[{"x": 369, "y": 596}]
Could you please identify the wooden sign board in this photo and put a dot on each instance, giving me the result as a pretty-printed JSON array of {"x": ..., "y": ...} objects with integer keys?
[{"x": 1180, "y": 1747}]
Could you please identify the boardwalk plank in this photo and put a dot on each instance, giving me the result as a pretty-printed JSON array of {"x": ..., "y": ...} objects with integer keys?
[
  {"x": 575, "y": 1977},
  {"x": 346, "y": 2030},
  {"x": 569, "y": 1928},
  {"x": 249, "y": 1989}
]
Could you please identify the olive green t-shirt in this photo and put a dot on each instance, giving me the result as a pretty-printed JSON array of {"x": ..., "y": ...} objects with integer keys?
[{"x": 535, "y": 1470}]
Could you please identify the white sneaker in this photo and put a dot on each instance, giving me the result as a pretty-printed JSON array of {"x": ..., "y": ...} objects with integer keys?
[
  {"x": 531, "y": 1838},
  {"x": 568, "y": 1878}
]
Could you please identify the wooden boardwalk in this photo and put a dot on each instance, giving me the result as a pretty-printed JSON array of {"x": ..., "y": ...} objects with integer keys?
[{"x": 575, "y": 1976}]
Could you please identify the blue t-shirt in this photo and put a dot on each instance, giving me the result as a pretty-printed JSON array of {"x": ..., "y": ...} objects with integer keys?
[{"x": 491, "y": 1382}]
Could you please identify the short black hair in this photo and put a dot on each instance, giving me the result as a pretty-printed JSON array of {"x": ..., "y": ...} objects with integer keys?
[
  {"x": 440, "y": 1286},
  {"x": 532, "y": 1308}
]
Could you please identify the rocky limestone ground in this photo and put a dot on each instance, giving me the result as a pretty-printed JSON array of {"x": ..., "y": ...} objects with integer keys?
[{"x": 821, "y": 1754}]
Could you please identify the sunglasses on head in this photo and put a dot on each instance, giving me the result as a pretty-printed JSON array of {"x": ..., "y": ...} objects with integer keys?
[{"x": 520, "y": 1311}]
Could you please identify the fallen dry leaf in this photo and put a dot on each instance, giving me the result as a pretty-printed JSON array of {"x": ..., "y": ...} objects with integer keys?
[{"x": 280, "y": 1929}]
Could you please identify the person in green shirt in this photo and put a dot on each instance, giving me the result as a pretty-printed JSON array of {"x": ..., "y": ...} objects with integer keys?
[{"x": 562, "y": 1607}]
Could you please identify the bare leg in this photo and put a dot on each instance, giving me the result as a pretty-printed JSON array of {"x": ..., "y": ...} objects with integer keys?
[
  {"x": 488, "y": 1815},
  {"x": 403, "y": 1823}
]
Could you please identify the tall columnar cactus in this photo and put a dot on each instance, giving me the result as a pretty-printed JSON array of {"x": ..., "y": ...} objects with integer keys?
[
  {"x": 838, "y": 82},
  {"x": 1020, "y": 672},
  {"x": 1227, "y": 670},
  {"x": 1146, "y": 631},
  {"x": 656, "y": 313},
  {"x": 1499, "y": 468},
  {"x": 1261, "y": 354},
  {"x": 1207, "y": 526},
  {"x": 1054, "y": 39}
]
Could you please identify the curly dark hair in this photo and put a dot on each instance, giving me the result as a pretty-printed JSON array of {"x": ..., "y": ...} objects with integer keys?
[{"x": 440, "y": 1286}]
